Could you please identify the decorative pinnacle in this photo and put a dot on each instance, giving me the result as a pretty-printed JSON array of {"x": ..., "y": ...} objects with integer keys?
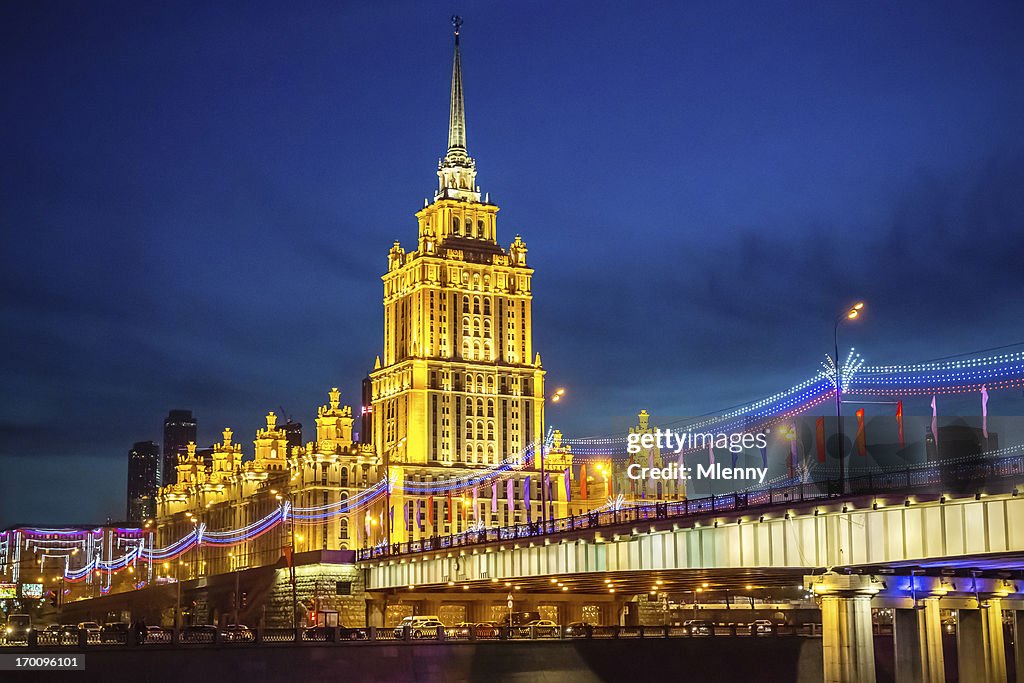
[{"x": 457, "y": 23}]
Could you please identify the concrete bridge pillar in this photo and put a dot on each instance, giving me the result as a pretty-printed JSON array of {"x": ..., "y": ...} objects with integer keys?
[
  {"x": 375, "y": 612},
  {"x": 979, "y": 644},
  {"x": 1018, "y": 643},
  {"x": 848, "y": 645},
  {"x": 918, "y": 640}
]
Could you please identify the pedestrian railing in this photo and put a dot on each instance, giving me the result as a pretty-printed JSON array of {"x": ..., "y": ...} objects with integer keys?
[
  {"x": 328, "y": 636},
  {"x": 979, "y": 472}
]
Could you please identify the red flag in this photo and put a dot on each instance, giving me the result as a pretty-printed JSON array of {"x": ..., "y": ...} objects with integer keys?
[
  {"x": 430, "y": 511},
  {"x": 450, "y": 511},
  {"x": 583, "y": 482},
  {"x": 287, "y": 550},
  {"x": 861, "y": 447},
  {"x": 899, "y": 420},
  {"x": 819, "y": 429}
]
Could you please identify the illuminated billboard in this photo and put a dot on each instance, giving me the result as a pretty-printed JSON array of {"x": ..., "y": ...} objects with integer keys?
[
  {"x": 8, "y": 591},
  {"x": 31, "y": 590}
]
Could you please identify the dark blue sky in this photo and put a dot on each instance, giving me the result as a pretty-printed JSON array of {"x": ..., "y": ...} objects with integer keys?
[{"x": 197, "y": 201}]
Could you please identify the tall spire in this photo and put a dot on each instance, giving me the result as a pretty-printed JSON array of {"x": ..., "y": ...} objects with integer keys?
[
  {"x": 457, "y": 117},
  {"x": 456, "y": 172}
]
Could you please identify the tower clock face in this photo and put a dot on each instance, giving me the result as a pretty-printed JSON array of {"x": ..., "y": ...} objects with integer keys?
[{"x": 273, "y": 452}]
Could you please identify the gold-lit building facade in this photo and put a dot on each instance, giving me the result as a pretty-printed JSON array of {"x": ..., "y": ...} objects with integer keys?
[{"x": 458, "y": 389}]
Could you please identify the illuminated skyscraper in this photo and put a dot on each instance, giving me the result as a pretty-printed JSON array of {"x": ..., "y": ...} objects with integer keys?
[
  {"x": 143, "y": 467},
  {"x": 179, "y": 432},
  {"x": 459, "y": 384}
]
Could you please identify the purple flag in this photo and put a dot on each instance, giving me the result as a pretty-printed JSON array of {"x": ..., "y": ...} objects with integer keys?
[
  {"x": 494, "y": 496},
  {"x": 547, "y": 484},
  {"x": 764, "y": 456},
  {"x": 984, "y": 411},
  {"x": 526, "y": 498},
  {"x": 419, "y": 514},
  {"x": 568, "y": 485},
  {"x": 405, "y": 515},
  {"x": 475, "y": 508},
  {"x": 935, "y": 422},
  {"x": 510, "y": 495}
]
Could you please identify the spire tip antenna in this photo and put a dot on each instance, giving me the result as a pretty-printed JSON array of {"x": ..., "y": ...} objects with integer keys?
[{"x": 457, "y": 23}]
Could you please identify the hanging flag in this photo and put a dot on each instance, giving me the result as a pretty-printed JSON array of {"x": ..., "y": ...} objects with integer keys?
[
  {"x": 510, "y": 495},
  {"x": 405, "y": 515},
  {"x": 450, "y": 511},
  {"x": 465, "y": 513},
  {"x": 391, "y": 519},
  {"x": 935, "y": 423},
  {"x": 819, "y": 434},
  {"x": 419, "y": 514},
  {"x": 568, "y": 484},
  {"x": 526, "y": 499},
  {"x": 494, "y": 496},
  {"x": 764, "y": 457},
  {"x": 899, "y": 421},
  {"x": 861, "y": 445},
  {"x": 583, "y": 482},
  {"x": 547, "y": 485},
  {"x": 792, "y": 450},
  {"x": 984, "y": 411},
  {"x": 476, "y": 513},
  {"x": 430, "y": 512},
  {"x": 366, "y": 526},
  {"x": 711, "y": 453}
]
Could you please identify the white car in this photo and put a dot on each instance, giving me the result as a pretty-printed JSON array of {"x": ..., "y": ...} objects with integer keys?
[
  {"x": 541, "y": 628},
  {"x": 419, "y": 627}
]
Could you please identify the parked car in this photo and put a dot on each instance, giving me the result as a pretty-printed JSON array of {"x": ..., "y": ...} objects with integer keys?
[
  {"x": 760, "y": 627},
  {"x": 237, "y": 633},
  {"x": 417, "y": 625},
  {"x": 325, "y": 632},
  {"x": 698, "y": 627},
  {"x": 578, "y": 629},
  {"x": 92, "y": 630},
  {"x": 460, "y": 630},
  {"x": 198, "y": 633},
  {"x": 488, "y": 629},
  {"x": 114, "y": 632},
  {"x": 540, "y": 628},
  {"x": 155, "y": 634}
]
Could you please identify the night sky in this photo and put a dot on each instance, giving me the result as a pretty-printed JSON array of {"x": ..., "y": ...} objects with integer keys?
[{"x": 197, "y": 201}]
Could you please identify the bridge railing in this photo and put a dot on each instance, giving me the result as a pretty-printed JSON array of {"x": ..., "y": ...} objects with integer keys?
[
  {"x": 907, "y": 480},
  {"x": 187, "y": 638}
]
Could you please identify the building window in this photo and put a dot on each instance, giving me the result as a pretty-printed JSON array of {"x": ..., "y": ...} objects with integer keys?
[{"x": 455, "y": 226}]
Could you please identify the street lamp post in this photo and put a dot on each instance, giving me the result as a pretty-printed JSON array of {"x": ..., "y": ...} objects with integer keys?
[
  {"x": 291, "y": 562},
  {"x": 544, "y": 493},
  {"x": 386, "y": 517},
  {"x": 850, "y": 314}
]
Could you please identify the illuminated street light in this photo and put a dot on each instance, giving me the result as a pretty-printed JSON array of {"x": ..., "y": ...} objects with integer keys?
[{"x": 851, "y": 314}]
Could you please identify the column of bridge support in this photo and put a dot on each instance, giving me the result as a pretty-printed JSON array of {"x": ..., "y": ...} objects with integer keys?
[
  {"x": 980, "y": 649},
  {"x": 848, "y": 646},
  {"x": 918, "y": 641},
  {"x": 1018, "y": 643}
]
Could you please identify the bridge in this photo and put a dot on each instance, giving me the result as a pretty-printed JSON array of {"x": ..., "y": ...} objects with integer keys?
[{"x": 893, "y": 540}]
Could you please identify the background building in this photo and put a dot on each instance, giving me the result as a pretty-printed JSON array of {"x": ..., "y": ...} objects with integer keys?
[
  {"x": 179, "y": 432},
  {"x": 143, "y": 481}
]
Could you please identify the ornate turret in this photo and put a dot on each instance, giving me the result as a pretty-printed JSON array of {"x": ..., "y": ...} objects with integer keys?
[
  {"x": 271, "y": 446},
  {"x": 333, "y": 424},
  {"x": 190, "y": 468},
  {"x": 227, "y": 457}
]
